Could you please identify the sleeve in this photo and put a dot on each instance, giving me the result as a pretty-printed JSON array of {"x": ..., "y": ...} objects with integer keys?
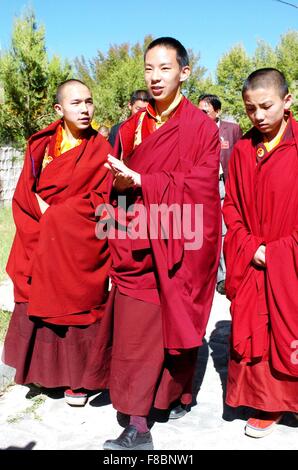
[
  {"x": 240, "y": 244},
  {"x": 195, "y": 184}
]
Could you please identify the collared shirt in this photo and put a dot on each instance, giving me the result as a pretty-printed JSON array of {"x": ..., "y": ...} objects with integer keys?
[
  {"x": 66, "y": 144},
  {"x": 62, "y": 145},
  {"x": 156, "y": 119},
  {"x": 263, "y": 147},
  {"x": 165, "y": 115}
]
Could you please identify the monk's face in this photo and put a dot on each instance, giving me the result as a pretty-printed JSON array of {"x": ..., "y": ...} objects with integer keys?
[
  {"x": 163, "y": 74},
  {"x": 209, "y": 110},
  {"x": 76, "y": 107},
  {"x": 139, "y": 104},
  {"x": 266, "y": 109}
]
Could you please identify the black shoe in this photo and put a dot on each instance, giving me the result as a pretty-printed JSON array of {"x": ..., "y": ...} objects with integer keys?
[
  {"x": 130, "y": 439},
  {"x": 179, "y": 411},
  {"x": 123, "y": 420},
  {"x": 220, "y": 287}
]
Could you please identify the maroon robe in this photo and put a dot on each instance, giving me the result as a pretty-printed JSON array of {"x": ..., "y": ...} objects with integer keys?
[
  {"x": 261, "y": 207},
  {"x": 58, "y": 266},
  {"x": 178, "y": 164},
  {"x": 157, "y": 314},
  {"x": 57, "y": 253}
]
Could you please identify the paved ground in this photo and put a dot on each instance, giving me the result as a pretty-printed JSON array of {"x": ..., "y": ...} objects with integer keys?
[
  {"x": 46, "y": 422},
  {"x": 6, "y": 295}
]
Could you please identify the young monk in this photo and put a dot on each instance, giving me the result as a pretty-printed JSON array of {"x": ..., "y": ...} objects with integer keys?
[
  {"x": 261, "y": 249},
  {"x": 58, "y": 266},
  {"x": 163, "y": 285}
]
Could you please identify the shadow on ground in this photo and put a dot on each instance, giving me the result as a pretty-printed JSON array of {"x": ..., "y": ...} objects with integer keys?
[
  {"x": 219, "y": 345},
  {"x": 29, "y": 446}
]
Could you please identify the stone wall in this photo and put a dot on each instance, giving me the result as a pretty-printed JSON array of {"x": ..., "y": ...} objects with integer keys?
[{"x": 11, "y": 163}]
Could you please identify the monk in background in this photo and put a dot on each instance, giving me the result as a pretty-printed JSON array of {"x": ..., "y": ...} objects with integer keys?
[
  {"x": 58, "y": 267},
  {"x": 229, "y": 134},
  {"x": 261, "y": 250},
  {"x": 163, "y": 281}
]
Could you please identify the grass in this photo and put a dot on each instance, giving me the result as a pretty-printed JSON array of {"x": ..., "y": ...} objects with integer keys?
[
  {"x": 7, "y": 231},
  {"x": 30, "y": 411},
  {"x": 4, "y": 320}
]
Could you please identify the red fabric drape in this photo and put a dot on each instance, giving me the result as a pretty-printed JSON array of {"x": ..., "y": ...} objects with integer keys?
[
  {"x": 56, "y": 263},
  {"x": 261, "y": 207},
  {"x": 178, "y": 165}
]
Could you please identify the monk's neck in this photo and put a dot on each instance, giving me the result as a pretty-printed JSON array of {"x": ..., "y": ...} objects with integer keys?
[
  {"x": 72, "y": 134},
  {"x": 277, "y": 133},
  {"x": 162, "y": 107}
]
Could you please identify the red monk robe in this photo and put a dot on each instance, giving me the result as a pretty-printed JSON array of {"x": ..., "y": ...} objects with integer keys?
[
  {"x": 261, "y": 207},
  {"x": 58, "y": 266},
  {"x": 163, "y": 292}
]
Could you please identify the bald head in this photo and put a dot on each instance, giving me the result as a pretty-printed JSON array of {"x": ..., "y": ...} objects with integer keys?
[
  {"x": 62, "y": 87},
  {"x": 266, "y": 78}
]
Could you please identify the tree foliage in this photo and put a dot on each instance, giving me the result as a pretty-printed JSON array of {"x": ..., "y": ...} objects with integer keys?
[
  {"x": 231, "y": 72},
  {"x": 28, "y": 81},
  {"x": 112, "y": 78},
  {"x": 287, "y": 53},
  {"x": 193, "y": 86}
]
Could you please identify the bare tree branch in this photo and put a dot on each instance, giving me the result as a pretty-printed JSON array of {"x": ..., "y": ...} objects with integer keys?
[{"x": 287, "y": 3}]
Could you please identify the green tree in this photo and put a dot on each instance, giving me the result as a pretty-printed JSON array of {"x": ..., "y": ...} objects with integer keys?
[
  {"x": 287, "y": 53},
  {"x": 193, "y": 86},
  {"x": 232, "y": 69},
  {"x": 28, "y": 80},
  {"x": 112, "y": 78},
  {"x": 264, "y": 56}
]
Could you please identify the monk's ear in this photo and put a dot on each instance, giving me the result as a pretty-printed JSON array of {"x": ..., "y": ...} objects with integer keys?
[
  {"x": 58, "y": 109},
  {"x": 185, "y": 73},
  {"x": 288, "y": 101}
]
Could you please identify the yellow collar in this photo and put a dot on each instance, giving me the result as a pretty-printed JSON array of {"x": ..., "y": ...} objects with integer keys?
[
  {"x": 66, "y": 144},
  {"x": 165, "y": 115}
]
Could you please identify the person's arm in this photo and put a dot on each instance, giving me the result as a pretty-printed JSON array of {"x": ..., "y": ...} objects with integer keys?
[{"x": 242, "y": 249}]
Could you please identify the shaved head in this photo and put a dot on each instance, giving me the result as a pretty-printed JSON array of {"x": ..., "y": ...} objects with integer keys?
[
  {"x": 266, "y": 78},
  {"x": 63, "y": 85}
]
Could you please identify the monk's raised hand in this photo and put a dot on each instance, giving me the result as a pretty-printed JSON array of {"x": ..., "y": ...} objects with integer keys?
[
  {"x": 119, "y": 166},
  {"x": 109, "y": 167},
  {"x": 123, "y": 182}
]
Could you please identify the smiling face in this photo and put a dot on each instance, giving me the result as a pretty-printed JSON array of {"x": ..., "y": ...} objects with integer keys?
[
  {"x": 76, "y": 107},
  {"x": 163, "y": 75},
  {"x": 266, "y": 109}
]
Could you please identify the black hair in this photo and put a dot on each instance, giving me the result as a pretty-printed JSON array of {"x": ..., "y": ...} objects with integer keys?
[
  {"x": 211, "y": 99},
  {"x": 172, "y": 43},
  {"x": 142, "y": 95},
  {"x": 265, "y": 78},
  {"x": 62, "y": 86}
]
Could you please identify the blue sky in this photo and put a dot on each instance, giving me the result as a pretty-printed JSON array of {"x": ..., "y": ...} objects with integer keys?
[{"x": 81, "y": 27}]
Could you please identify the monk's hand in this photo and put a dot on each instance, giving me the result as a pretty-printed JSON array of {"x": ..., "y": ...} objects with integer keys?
[
  {"x": 122, "y": 182},
  {"x": 42, "y": 204},
  {"x": 260, "y": 256},
  {"x": 120, "y": 168}
]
